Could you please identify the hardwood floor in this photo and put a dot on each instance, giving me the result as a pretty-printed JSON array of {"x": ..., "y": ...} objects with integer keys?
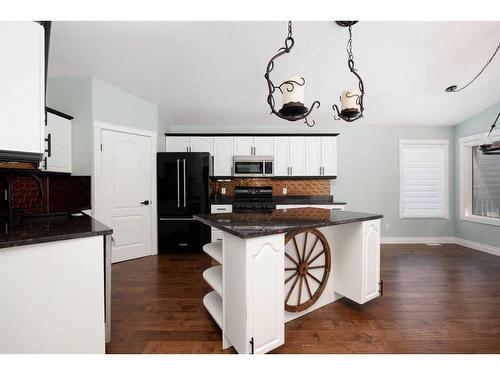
[{"x": 442, "y": 299}]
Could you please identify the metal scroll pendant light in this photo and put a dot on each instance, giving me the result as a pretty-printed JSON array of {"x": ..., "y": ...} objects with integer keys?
[
  {"x": 487, "y": 148},
  {"x": 351, "y": 107},
  {"x": 293, "y": 108}
]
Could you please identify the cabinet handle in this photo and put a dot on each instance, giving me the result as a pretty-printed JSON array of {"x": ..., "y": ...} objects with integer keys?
[
  {"x": 48, "y": 150},
  {"x": 45, "y": 163},
  {"x": 291, "y": 171}
]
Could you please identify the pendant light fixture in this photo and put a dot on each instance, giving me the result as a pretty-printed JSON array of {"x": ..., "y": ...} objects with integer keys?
[
  {"x": 455, "y": 88},
  {"x": 487, "y": 148},
  {"x": 351, "y": 101},
  {"x": 292, "y": 90}
]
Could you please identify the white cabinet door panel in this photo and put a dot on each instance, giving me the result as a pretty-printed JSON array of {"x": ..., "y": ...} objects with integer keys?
[
  {"x": 243, "y": 145},
  {"x": 313, "y": 156},
  {"x": 371, "y": 249},
  {"x": 298, "y": 156},
  {"x": 177, "y": 144},
  {"x": 201, "y": 144},
  {"x": 329, "y": 155},
  {"x": 59, "y": 130},
  {"x": 264, "y": 146},
  {"x": 281, "y": 156},
  {"x": 22, "y": 87},
  {"x": 223, "y": 156}
]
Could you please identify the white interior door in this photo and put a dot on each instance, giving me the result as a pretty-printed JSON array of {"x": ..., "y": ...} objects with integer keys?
[{"x": 126, "y": 171}]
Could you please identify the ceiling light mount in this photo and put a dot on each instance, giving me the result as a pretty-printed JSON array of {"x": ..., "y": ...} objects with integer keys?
[
  {"x": 292, "y": 89},
  {"x": 351, "y": 100},
  {"x": 454, "y": 88}
]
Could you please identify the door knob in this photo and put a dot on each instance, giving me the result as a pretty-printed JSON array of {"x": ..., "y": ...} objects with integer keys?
[{"x": 145, "y": 203}]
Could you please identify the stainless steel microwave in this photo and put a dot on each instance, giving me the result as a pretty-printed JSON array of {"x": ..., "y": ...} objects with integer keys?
[{"x": 253, "y": 166}]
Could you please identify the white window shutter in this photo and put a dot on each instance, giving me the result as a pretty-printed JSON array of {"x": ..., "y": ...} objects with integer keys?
[{"x": 423, "y": 178}]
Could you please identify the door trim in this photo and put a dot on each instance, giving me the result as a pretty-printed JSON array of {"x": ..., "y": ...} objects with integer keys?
[{"x": 96, "y": 190}]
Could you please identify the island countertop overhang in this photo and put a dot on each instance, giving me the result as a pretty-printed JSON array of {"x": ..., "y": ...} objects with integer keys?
[{"x": 258, "y": 224}]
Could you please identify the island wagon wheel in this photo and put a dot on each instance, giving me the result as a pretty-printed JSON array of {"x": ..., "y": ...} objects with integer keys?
[{"x": 307, "y": 267}]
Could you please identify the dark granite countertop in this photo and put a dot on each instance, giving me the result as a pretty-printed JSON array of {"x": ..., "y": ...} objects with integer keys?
[
  {"x": 284, "y": 199},
  {"x": 250, "y": 225},
  {"x": 41, "y": 229}
]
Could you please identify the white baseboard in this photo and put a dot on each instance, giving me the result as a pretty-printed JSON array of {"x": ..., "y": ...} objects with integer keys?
[
  {"x": 418, "y": 240},
  {"x": 479, "y": 246},
  {"x": 444, "y": 240}
]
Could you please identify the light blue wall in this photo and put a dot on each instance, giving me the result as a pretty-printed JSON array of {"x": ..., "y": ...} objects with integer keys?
[
  {"x": 368, "y": 170},
  {"x": 74, "y": 97},
  {"x": 476, "y": 232},
  {"x": 88, "y": 100}
]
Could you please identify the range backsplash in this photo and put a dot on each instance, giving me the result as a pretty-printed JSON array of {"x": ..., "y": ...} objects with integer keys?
[
  {"x": 62, "y": 193},
  {"x": 299, "y": 186}
]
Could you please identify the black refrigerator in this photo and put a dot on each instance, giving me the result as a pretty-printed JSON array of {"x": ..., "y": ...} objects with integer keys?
[{"x": 182, "y": 189}]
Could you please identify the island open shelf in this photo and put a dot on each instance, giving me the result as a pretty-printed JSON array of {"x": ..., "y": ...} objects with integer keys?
[{"x": 280, "y": 265}]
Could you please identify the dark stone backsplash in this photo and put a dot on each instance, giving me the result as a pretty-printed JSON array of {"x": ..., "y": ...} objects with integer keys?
[{"x": 62, "y": 193}]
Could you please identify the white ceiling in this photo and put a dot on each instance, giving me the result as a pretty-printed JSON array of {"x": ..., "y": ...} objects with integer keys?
[{"x": 212, "y": 73}]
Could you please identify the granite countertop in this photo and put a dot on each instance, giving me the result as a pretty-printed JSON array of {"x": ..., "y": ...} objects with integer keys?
[
  {"x": 284, "y": 199},
  {"x": 250, "y": 225},
  {"x": 52, "y": 228}
]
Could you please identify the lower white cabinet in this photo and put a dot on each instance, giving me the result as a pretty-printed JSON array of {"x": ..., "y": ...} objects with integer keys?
[
  {"x": 57, "y": 156},
  {"x": 254, "y": 320},
  {"x": 357, "y": 280},
  {"x": 217, "y": 209}
]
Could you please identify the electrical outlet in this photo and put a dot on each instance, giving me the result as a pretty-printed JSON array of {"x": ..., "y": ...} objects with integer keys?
[
  {"x": 285, "y": 191},
  {"x": 223, "y": 190}
]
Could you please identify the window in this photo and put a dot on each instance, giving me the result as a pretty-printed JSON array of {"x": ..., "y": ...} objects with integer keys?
[
  {"x": 423, "y": 178},
  {"x": 479, "y": 181}
]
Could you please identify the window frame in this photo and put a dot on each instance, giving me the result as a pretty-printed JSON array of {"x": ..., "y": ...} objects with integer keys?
[
  {"x": 443, "y": 142},
  {"x": 465, "y": 167}
]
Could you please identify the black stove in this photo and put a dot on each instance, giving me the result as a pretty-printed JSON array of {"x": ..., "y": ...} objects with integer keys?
[{"x": 253, "y": 199}]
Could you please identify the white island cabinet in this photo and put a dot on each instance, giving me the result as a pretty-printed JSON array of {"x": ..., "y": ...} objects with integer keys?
[
  {"x": 22, "y": 87},
  {"x": 280, "y": 265}
]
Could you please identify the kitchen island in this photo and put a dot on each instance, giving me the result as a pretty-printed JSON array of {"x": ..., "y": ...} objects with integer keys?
[{"x": 278, "y": 265}]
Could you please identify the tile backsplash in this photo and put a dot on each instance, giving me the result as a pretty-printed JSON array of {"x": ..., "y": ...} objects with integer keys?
[
  {"x": 299, "y": 186},
  {"x": 62, "y": 193}
]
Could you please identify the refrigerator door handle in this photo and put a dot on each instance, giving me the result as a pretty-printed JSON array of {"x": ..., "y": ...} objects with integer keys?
[
  {"x": 184, "y": 173},
  {"x": 178, "y": 185}
]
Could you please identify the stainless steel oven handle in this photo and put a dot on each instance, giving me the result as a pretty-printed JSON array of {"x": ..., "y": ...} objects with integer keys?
[
  {"x": 184, "y": 172},
  {"x": 178, "y": 186}
]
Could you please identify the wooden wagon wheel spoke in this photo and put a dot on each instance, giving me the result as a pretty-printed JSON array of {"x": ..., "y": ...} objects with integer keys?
[
  {"x": 312, "y": 268},
  {"x": 312, "y": 249},
  {"x": 296, "y": 249},
  {"x": 293, "y": 260},
  {"x": 290, "y": 278},
  {"x": 291, "y": 289},
  {"x": 304, "y": 264},
  {"x": 300, "y": 289},
  {"x": 314, "y": 278},
  {"x": 304, "y": 247},
  {"x": 308, "y": 288},
  {"x": 317, "y": 256}
]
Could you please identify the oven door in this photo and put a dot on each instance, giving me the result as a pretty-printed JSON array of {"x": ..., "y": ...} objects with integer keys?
[{"x": 248, "y": 168}]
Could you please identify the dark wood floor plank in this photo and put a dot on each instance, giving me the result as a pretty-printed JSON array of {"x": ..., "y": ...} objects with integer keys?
[{"x": 443, "y": 299}]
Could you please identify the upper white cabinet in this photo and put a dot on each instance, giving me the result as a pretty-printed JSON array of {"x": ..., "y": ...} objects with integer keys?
[
  {"x": 22, "y": 87},
  {"x": 321, "y": 159},
  {"x": 253, "y": 145},
  {"x": 57, "y": 157},
  {"x": 329, "y": 156},
  {"x": 223, "y": 156},
  {"x": 290, "y": 156},
  {"x": 201, "y": 144},
  {"x": 177, "y": 144},
  {"x": 189, "y": 144},
  {"x": 296, "y": 155}
]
